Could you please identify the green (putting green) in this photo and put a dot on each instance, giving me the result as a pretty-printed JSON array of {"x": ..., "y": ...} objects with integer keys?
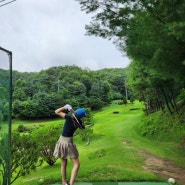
[{"x": 120, "y": 183}]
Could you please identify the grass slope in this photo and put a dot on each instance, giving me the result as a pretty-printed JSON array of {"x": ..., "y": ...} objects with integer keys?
[{"x": 113, "y": 152}]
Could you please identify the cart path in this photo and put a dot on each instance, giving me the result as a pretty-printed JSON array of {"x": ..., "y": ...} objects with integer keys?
[{"x": 162, "y": 168}]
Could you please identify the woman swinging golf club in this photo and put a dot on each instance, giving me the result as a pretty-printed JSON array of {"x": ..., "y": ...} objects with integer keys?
[{"x": 64, "y": 147}]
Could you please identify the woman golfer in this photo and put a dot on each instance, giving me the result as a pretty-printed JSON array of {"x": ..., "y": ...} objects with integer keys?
[{"x": 64, "y": 147}]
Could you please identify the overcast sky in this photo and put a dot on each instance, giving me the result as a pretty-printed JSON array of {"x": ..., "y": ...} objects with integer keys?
[{"x": 46, "y": 33}]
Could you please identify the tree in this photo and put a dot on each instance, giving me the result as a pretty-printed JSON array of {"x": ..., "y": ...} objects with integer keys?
[
  {"x": 46, "y": 138},
  {"x": 42, "y": 105},
  {"x": 95, "y": 103},
  {"x": 87, "y": 81},
  {"x": 6, "y": 111},
  {"x": 151, "y": 33},
  {"x": 16, "y": 108},
  {"x": 3, "y": 104},
  {"x": 19, "y": 94},
  {"x": 24, "y": 155},
  {"x": 149, "y": 43},
  {"x": 1, "y": 117},
  {"x": 106, "y": 92},
  {"x": 4, "y": 159},
  {"x": 78, "y": 90},
  {"x": 3, "y": 94}
]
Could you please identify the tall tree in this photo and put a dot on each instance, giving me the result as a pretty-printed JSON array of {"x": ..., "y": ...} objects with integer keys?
[{"x": 151, "y": 33}]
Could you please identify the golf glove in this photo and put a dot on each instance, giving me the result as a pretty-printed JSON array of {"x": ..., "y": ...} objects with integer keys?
[{"x": 68, "y": 107}]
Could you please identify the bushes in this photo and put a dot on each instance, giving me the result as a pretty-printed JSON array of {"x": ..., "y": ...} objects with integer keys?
[
  {"x": 22, "y": 128},
  {"x": 29, "y": 150},
  {"x": 24, "y": 155},
  {"x": 46, "y": 138},
  {"x": 42, "y": 105}
]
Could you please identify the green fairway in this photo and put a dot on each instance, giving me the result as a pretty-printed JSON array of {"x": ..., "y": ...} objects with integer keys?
[{"x": 112, "y": 155}]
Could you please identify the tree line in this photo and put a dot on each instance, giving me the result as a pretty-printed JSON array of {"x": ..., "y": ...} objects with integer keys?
[
  {"x": 152, "y": 34},
  {"x": 38, "y": 94}
]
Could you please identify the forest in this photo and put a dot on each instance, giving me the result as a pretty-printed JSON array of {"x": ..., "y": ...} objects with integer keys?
[
  {"x": 37, "y": 95},
  {"x": 152, "y": 34}
]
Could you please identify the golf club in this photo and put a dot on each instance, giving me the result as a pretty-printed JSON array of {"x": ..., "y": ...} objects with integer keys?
[{"x": 83, "y": 130}]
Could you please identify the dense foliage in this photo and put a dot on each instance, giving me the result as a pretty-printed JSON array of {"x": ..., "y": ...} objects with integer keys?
[
  {"x": 152, "y": 35},
  {"x": 37, "y": 95},
  {"x": 24, "y": 155},
  {"x": 46, "y": 138},
  {"x": 4, "y": 161}
]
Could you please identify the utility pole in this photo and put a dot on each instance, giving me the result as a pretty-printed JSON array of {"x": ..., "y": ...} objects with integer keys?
[
  {"x": 126, "y": 93},
  {"x": 58, "y": 84}
]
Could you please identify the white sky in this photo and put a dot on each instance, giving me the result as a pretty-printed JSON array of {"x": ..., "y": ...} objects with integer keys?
[{"x": 46, "y": 33}]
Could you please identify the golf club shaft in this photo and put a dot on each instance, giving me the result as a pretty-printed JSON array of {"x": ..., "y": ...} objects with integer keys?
[{"x": 83, "y": 129}]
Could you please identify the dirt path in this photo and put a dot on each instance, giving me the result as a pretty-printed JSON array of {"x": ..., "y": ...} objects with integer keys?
[{"x": 163, "y": 168}]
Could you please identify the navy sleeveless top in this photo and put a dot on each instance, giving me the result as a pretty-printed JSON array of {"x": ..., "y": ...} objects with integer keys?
[{"x": 68, "y": 127}]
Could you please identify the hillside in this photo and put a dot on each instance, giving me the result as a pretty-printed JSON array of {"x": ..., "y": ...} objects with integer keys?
[{"x": 36, "y": 95}]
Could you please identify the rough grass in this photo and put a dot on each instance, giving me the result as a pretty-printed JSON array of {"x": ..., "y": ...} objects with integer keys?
[
  {"x": 167, "y": 132},
  {"x": 112, "y": 154}
]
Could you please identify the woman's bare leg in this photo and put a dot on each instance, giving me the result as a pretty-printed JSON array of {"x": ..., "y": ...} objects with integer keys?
[
  {"x": 76, "y": 165},
  {"x": 63, "y": 171}
]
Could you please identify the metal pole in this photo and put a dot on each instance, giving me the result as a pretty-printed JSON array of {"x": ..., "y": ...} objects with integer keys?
[{"x": 10, "y": 118}]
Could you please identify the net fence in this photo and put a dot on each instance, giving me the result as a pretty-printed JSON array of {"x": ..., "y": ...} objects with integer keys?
[{"x": 5, "y": 115}]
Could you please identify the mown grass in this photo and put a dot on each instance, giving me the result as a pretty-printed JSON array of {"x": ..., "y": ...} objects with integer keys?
[
  {"x": 33, "y": 124},
  {"x": 113, "y": 152}
]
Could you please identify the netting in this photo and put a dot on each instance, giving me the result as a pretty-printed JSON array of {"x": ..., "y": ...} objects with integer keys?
[{"x": 5, "y": 115}]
